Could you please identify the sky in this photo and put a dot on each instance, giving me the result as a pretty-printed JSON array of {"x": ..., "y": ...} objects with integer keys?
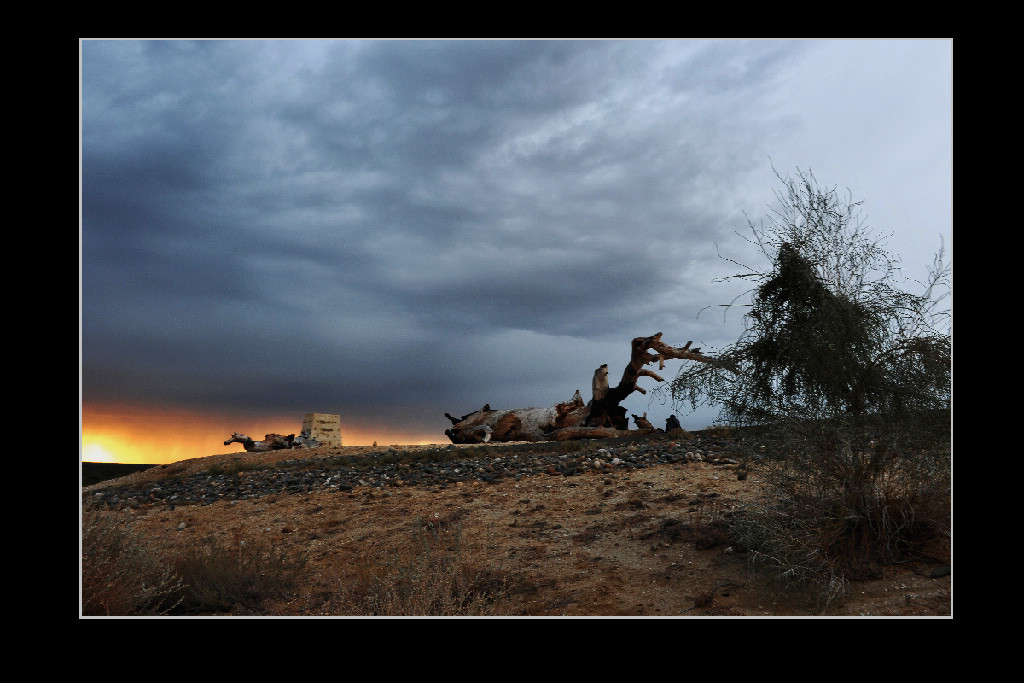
[{"x": 389, "y": 230}]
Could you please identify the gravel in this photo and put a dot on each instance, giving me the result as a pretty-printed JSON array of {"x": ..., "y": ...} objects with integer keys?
[{"x": 439, "y": 468}]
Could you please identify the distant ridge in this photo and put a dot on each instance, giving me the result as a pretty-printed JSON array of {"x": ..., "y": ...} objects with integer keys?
[{"x": 95, "y": 472}]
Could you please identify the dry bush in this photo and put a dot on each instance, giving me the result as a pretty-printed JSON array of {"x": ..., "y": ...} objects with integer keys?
[
  {"x": 846, "y": 508},
  {"x": 847, "y": 374},
  {"x": 783, "y": 553},
  {"x": 235, "y": 577},
  {"x": 429, "y": 575},
  {"x": 122, "y": 573}
]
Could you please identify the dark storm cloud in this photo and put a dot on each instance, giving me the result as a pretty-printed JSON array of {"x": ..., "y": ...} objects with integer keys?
[
  {"x": 289, "y": 224},
  {"x": 235, "y": 236}
]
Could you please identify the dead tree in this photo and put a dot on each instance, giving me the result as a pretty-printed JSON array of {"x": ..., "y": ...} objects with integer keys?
[{"x": 602, "y": 417}]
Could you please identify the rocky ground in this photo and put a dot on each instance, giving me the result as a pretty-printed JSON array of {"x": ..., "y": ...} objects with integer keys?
[{"x": 625, "y": 528}]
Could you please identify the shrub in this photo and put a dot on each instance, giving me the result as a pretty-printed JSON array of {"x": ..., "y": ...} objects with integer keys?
[
  {"x": 122, "y": 573},
  {"x": 783, "y": 552},
  {"x": 848, "y": 504},
  {"x": 238, "y": 576},
  {"x": 846, "y": 376},
  {"x": 718, "y": 431},
  {"x": 428, "y": 576}
]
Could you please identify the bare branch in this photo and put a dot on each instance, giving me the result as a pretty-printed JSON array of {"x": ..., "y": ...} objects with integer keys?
[{"x": 600, "y": 418}]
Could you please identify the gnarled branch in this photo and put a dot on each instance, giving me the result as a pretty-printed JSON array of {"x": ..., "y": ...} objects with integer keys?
[
  {"x": 606, "y": 411},
  {"x": 601, "y": 418}
]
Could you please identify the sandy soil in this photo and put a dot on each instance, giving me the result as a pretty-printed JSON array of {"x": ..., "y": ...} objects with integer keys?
[{"x": 632, "y": 543}]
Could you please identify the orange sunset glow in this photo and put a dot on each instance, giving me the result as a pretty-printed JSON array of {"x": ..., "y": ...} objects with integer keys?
[{"x": 151, "y": 436}]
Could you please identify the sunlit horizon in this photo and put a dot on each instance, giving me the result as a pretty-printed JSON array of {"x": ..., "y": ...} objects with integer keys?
[{"x": 160, "y": 436}]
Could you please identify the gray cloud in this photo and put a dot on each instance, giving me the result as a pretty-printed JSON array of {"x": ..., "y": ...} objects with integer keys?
[{"x": 409, "y": 226}]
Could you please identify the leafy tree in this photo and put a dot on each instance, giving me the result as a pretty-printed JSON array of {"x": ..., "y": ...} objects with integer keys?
[
  {"x": 847, "y": 378},
  {"x": 829, "y": 333}
]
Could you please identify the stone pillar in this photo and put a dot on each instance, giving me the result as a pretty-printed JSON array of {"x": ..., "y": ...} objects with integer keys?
[{"x": 324, "y": 428}]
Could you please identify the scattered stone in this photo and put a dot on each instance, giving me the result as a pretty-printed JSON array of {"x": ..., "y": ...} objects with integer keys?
[{"x": 334, "y": 474}]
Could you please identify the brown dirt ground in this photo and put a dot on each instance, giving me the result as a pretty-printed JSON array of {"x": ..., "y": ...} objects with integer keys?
[{"x": 627, "y": 543}]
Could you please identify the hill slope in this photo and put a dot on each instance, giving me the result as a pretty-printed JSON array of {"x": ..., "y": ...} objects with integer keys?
[{"x": 641, "y": 537}]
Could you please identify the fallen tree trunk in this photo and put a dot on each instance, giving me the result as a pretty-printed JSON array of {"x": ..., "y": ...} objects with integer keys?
[
  {"x": 520, "y": 424},
  {"x": 574, "y": 433},
  {"x": 602, "y": 417}
]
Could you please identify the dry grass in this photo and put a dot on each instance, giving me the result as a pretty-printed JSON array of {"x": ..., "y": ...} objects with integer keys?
[
  {"x": 237, "y": 577},
  {"x": 842, "y": 514},
  {"x": 427, "y": 575},
  {"x": 656, "y": 541},
  {"x": 122, "y": 574}
]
